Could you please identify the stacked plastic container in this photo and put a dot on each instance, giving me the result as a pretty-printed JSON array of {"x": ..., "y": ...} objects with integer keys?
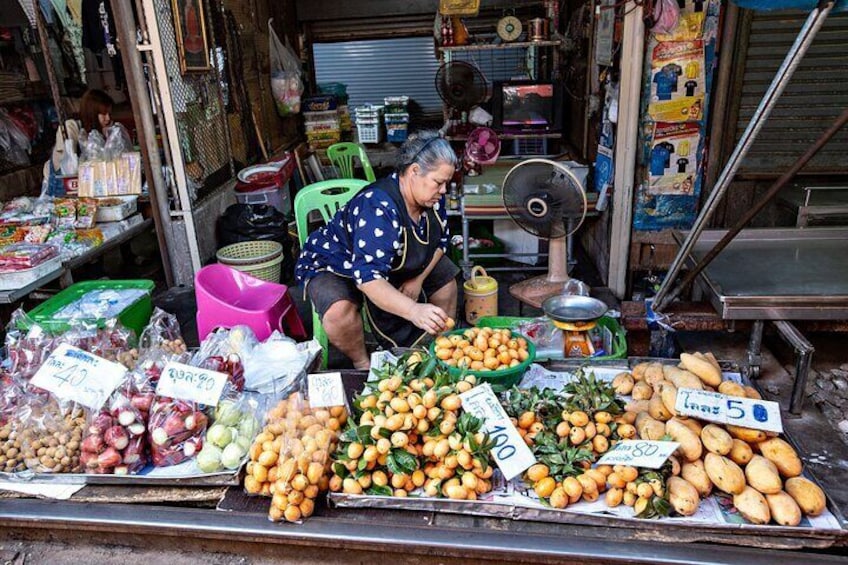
[
  {"x": 397, "y": 118},
  {"x": 322, "y": 121},
  {"x": 369, "y": 123},
  {"x": 339, "y": 90}
]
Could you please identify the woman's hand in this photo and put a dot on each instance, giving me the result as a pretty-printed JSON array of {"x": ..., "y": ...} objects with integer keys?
[
  {"x": 429, "y": 318},
  {"x": 412, "y": 288}
]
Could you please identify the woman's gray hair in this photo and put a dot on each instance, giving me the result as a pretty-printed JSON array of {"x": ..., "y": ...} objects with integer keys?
[{"x": 428, "y": 149}]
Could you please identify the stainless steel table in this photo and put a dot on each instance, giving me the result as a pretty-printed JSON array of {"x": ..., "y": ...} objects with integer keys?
[{"x": 778, "y": 274}]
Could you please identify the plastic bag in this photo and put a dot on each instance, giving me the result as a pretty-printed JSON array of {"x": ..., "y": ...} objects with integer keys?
[
  {"x": 276, "y": 363},
  {"x": 91, "y": 146},
  {"x": 117, "y": 437},
  {"x": 222, "y": 351},
  {"x": 576, "y": 287},
  {"x": 666, "y": 16},
  {"x": 70, "y": 162},
  {"x": 228, "y": 439},
  {"x": 14, "y": 143},
  {"x": 286, "y": 83},
  {"x": 117, "y": 143},
  {"x": 26, "y": 349},
  {"x": 12, "y": 401},
  {"x": 251, "y": 222},
  {"x": 176, "y": 429},
  {"x": 309, "y": 435},
  {"x": 51, "y": 435}
]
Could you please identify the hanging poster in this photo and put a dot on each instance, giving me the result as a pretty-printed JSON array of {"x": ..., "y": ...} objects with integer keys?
[
  {"x": 677, "y": 82},
  {"x": 673, "y": 161}
]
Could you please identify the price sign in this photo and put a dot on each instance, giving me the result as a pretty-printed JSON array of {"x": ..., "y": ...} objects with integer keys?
[
  {"x": 510, "y": 452},
  {"x": 378, "y": 359},
  {"x": 639, "y": 453},
  {"x": 325, "y": 389},
  {"x": 191, "y": 383},
  {"x": 74, "y": 375},
  {"x": 733, "y": 410}
]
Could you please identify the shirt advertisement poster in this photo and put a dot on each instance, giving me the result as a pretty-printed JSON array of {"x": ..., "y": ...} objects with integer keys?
[
  {"x": 673, "y": 161},
  {"x": 677, "y": 81}
]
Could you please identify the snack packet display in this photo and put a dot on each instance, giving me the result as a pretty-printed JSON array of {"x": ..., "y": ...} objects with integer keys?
[
  {"x": 64, "y": 213},
  {"x": 22, "y": 255},
  {"x": 86, "y": 213}
]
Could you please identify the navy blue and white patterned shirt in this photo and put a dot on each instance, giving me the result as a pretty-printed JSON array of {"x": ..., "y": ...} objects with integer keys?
[{"x": 363, "y": 244}]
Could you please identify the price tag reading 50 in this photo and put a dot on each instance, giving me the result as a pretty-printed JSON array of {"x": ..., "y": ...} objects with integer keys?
[
  {"x": 510, "y": 452},
  {"x": 723, "y": 409},
  {"x": 191, "y": 383}
]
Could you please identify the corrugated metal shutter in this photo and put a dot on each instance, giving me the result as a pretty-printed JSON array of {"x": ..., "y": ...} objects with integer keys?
[
  {"x": 374, "y": 69},
  {"x": 816, "y": 95}
]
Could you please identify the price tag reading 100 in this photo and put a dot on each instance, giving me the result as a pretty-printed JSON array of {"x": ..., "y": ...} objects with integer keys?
[{"x": 510, "y": 452}]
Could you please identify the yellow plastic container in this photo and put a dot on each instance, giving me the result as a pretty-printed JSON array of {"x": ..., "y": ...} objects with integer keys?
[{"x": 481, "y": 296}]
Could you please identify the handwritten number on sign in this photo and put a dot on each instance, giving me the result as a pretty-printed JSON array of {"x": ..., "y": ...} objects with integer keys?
[
  {"x": 500, "y": 438},
  {"x": 734, "y": 409},
  {"x": 72, "y": 375}
]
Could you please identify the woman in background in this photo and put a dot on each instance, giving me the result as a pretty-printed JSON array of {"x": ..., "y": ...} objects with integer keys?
[{"x": 95, "y": 114}]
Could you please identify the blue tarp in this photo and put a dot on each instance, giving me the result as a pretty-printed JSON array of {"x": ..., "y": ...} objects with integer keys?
[{"x": 771, "y": 5}]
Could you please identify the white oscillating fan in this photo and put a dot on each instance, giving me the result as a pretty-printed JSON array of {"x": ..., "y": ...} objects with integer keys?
[{"x": 546, "y": 199}]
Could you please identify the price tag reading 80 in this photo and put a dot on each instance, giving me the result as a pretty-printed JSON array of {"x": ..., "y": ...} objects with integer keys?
[
  {"x": 192, "y": 384},
  {"x": 325, "y": 389},
  {"x": 639, "y": 453},
  {"x": 723, "y": 409},
  {"x": 509, "y": 451}
]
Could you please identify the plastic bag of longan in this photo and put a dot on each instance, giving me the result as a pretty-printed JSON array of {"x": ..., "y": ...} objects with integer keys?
[
  {"x": 308, "y": 439},
  {"x": 51, "y": 435},
  {"x": 13, "y": 406},
  {"x": 261, "y": 470}
]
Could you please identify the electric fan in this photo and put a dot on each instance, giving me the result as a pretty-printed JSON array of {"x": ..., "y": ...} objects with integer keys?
[
  {"x": 547, "y": 200},
  {"x": 481, "y": 148},
  {"x": 461, "y": 86}
]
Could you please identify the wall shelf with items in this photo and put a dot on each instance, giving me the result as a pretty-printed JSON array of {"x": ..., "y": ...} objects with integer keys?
[
  {"x": 511, "y": 45},
  {"x": 541, "y": 135}
]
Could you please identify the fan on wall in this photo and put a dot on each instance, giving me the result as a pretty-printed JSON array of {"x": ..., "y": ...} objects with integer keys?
[
  {"x": 546, "y": 199},
  {"x": 461, "y": 86},
  {"x": 481, "y": 148}
]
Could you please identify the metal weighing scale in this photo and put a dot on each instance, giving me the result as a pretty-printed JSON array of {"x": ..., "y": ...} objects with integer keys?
[{"x": 777, "y": 274}]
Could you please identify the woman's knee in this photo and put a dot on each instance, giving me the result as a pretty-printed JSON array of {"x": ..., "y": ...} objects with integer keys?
[
  {"x": 448, "y": 290},
  {"x": 340, "y": 314}
]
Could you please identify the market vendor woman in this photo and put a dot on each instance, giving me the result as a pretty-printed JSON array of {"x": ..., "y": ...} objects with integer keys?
[{"x": 387, "y": 246}]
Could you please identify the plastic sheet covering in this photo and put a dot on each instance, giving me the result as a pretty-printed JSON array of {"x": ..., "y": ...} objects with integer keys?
[{"x": 772, "y": 5}]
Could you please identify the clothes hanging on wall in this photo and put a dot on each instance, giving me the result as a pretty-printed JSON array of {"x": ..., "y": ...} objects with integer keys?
[{"x": 98, "y": 34}]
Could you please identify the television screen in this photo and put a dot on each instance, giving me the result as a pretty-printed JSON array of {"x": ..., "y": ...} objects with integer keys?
[{"x": 528, "y": 105}]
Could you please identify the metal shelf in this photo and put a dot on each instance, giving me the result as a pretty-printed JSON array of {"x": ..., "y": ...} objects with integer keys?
[
  {"x": 547, "y": 135},
  {"x": 513, "y": 45}
]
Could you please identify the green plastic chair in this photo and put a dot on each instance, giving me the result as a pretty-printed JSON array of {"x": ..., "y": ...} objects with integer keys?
[
  {"x": 326, "y": 197},
  {"x": 341, "y": 155}
]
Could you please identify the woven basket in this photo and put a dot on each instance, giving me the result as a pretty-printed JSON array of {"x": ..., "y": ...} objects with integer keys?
[
  {"x": 268, "y": 271},
  {"x": 249, "y": 253}
]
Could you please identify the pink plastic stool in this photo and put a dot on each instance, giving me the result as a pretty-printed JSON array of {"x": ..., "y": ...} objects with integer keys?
[{"x": 227, "y": 297}]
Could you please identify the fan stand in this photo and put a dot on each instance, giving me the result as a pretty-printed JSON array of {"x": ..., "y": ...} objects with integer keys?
[{"x": 534, "y": 291}]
